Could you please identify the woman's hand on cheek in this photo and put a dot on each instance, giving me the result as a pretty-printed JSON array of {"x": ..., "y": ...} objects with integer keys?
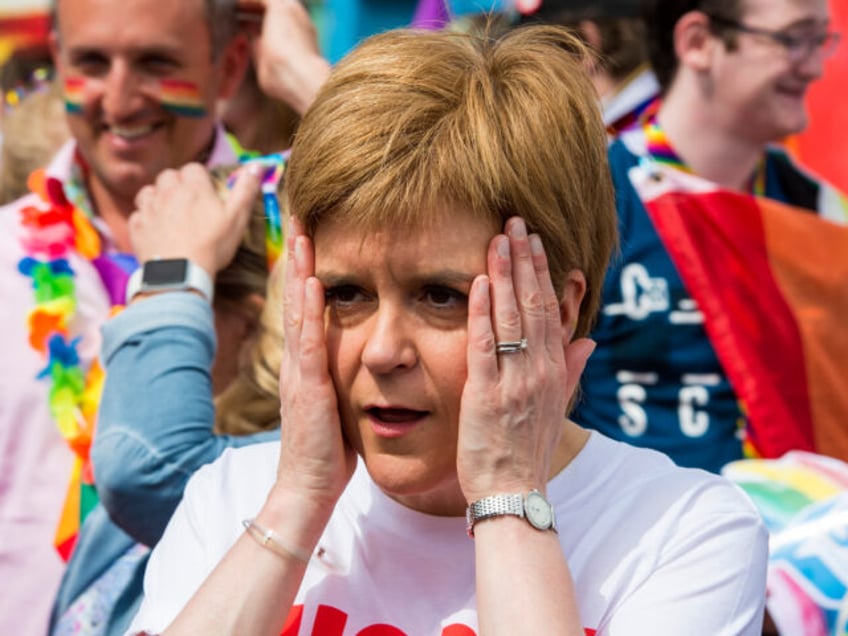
[
  {"x": 513, "y": 404},
  {"x": 315, "y": 461}
]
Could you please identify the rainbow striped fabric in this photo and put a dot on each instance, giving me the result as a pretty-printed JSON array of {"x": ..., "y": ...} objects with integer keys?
[
  {"x": 803, "y": 498},
  {"x": 274, "y": 165},
  {"x": 770, "y": 280}
]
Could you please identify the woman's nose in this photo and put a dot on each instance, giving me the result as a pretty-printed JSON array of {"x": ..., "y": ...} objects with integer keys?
[{"x": 390, "y": 342}]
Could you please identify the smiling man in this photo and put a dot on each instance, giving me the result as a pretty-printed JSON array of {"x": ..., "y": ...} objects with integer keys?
[
  {"x": 141, "y": 79},
  {"x": 700, "y": 351}
]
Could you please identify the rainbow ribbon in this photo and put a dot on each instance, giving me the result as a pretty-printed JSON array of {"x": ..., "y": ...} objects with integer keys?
[
  {"x": 274, "y": 165},
  {"x": 660, "y": 149},
  {"x": 803, "y": 499}
]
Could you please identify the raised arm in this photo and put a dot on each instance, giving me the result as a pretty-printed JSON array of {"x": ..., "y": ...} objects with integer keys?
[
  {"x": 513, "y": 433},
  {"x": 156, "y": 415},
  {"x": 314, "y": 467},
  {"x": 289, "y": 64}
]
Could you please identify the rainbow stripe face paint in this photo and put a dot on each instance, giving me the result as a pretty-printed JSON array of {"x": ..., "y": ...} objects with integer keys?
[
  {"x": 74, "y": 90},
  {"x": 181, "y": 98},
  {"x": 178, "y": 97}
]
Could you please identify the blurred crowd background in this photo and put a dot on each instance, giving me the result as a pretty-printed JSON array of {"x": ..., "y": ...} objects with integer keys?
[{"x": 25, "y": 63}]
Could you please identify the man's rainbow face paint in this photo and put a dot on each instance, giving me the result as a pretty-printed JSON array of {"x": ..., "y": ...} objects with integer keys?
[
  {"x": 181, "y": 98},
  {"x": 178, "y": 97},
  {"x": 74, "y": 90}
]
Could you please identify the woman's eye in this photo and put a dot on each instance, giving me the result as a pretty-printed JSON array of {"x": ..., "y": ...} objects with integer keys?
[
  {"x": 343, "y": 295},
  {"x": 445, "y": 297}
]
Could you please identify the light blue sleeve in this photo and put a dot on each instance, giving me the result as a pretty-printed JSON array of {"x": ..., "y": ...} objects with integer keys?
[{"x": 156, "y": 415}]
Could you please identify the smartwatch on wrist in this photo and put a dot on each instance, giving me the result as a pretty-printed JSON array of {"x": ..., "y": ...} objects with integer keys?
[
  {"x": 169, "y": 274},
  {"x": 533, "y": 507}
]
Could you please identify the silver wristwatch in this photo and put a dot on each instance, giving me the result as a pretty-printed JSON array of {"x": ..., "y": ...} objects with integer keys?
[{"x": 533, "y": 507}]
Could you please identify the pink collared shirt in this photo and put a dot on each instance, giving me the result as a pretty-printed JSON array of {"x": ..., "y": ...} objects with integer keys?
[{"x": 35, "y": 461}]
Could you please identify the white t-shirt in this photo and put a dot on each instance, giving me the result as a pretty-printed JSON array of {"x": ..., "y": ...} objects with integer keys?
[{"x": 653, "y": 549}]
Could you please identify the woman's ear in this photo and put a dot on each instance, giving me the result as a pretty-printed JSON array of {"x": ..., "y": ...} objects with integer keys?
[{"x": 574, "y": 289}]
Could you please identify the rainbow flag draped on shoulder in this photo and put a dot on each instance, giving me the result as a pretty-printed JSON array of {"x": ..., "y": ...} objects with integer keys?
[{"x": 772, "y": 282}]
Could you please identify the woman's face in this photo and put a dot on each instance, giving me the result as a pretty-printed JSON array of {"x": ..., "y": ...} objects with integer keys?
[{"x": 396, "y": 334}]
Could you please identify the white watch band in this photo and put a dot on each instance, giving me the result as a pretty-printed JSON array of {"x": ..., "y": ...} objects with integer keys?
[{"x": 188, "y": 275}]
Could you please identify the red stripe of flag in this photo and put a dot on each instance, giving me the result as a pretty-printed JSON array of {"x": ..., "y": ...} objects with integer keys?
[{"x": 717, "y": 242}]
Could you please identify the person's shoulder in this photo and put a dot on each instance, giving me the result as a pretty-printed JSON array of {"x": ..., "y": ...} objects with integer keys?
[
  {"x": 240, "y": 477},
  {"x": 637, "y": 472},
  {"x": 257, "y": 459},
  {"x": 627, "y": 147},
  {"x": 802, "y": 187}
]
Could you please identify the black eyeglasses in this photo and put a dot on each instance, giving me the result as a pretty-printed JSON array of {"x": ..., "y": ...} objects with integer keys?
[{"x": 799, "y": 47}]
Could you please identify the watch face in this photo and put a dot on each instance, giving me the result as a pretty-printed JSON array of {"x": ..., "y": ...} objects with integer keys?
[
  {"x": 167, "y": 271},
  {"x": 538, "y": 511}
]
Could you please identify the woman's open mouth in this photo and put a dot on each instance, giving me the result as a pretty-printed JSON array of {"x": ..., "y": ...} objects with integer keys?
[{"x": 394, "y": 421}]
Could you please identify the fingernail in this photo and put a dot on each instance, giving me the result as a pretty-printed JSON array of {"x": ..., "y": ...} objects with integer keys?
[
  {"x": 502, "y": 247},
  {"x": 536, "y": 246},
  {"x": 256, "y": 169},
  {"x": 517, "y": 229}
]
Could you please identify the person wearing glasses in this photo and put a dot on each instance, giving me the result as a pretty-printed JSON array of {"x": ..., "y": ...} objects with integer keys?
[
  {"x": 716, "y": 336},
  {"x": 674, "y": 369}
]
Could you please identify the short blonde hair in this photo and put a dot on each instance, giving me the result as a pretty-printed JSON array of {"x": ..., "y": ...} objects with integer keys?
[
  {"x": 251, "y": 402},
  {"x": 498, "y": 127}
]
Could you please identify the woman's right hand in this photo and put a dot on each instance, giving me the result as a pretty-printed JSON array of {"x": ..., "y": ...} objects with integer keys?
[{"x": 315, "y": 460}]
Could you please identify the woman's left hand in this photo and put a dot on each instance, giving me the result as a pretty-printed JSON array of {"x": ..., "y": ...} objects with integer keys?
[{"x": 514, "y": 403}]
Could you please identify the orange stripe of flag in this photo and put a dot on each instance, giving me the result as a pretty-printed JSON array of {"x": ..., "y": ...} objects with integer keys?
[
  {"x": 809, "y": 260},
  {"x": 717, "y": 243}
]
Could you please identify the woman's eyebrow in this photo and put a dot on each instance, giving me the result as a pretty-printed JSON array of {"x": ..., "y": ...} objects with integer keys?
[
  {"x": 334, "y": 279},
  {"x": 445, "y": 276},
  {"x": 331, "y": 278}
]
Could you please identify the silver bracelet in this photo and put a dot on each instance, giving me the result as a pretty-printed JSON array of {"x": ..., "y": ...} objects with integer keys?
[{"x": 267, "y": 538}]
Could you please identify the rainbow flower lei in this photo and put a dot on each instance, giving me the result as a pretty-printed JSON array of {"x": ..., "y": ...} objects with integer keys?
[{"x": 53, "y": 229}]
